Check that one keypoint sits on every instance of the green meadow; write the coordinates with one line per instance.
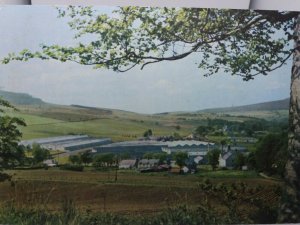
(54, 120)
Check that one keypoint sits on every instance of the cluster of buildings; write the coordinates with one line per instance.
(196, 150)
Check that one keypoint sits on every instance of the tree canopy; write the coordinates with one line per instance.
(213, 158)
(180, 158)
(11, 154)
(271, 154)
(39, 154)
(240, 42)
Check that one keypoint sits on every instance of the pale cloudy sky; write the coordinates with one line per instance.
(171, 86)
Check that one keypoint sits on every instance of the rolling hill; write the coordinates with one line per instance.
(26, 99)
(46, 120)
(265, 106)
(20, 98)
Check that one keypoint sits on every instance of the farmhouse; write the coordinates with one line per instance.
(50, 163)
(148, 164)
(227, 159)
(127, 164)
(68, 143)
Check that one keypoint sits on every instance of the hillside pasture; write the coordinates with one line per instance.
(46, 121)
(53, 120)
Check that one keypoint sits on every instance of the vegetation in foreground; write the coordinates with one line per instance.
(214, 203)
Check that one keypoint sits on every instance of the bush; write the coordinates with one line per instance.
(72, 167)
(172, 216)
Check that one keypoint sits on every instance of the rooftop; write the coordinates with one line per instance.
(136, 143)
(52, 139)
(158, 143)
(187, 143)
(227, 155)
(83, 142)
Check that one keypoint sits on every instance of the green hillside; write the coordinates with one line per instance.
(265, 106)
(46, 120)
(62, 120)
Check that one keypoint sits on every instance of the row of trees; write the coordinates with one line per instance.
(84, 157)
(246, 128)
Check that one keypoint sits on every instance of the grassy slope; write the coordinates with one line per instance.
(53, 120)
(119, 125)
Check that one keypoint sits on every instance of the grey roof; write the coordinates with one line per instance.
(150, 161)
(136, 143)
(227, 155)
(187, 143)
(53, 139)
(159, 143)
(62, 142)
(129, 162)
(83, 142)
(238, 148)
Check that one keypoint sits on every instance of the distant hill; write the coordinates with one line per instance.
(26, 99)
(265, 106)
(20, 98)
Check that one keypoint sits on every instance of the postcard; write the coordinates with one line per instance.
(160, 114)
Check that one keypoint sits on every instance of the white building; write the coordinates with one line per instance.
(193, 148)
(127, 164)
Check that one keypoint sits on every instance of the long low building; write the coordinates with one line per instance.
(193, 148)
(68, 143)
(52, 140)
(134, 148)
(138, 148)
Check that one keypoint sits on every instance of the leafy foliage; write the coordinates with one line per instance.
(271, 154)
(180, 158)
(233, 195)
(86, 157)
(203, 130)
(240, 42)
(39, 154)
(162, 156)
(104, 160)
(148, 133)
(239, 160)
(175, 215)
(75, 159)
(213, 158)
(11, 154)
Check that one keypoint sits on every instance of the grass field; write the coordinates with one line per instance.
(54, 120)
(119, 125)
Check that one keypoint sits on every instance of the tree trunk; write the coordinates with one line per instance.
(290, 207)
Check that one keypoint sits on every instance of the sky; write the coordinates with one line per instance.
(160, 87)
